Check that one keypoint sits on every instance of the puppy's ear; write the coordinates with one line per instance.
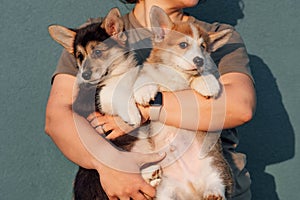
(161, 24)
(218, 39)
(114, 25)
(63, 36)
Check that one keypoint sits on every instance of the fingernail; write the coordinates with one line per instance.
(161, 154)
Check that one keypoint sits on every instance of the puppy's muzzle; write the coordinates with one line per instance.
(198, 63)
(86, 75)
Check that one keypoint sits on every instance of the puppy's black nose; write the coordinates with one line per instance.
(198, 61)
(87, 75)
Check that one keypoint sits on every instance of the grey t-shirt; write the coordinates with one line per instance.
(232, 57)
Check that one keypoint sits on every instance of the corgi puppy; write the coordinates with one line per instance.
(106, 70)
(180, 59)
(106, 74)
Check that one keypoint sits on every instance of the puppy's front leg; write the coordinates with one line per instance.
(119, 101)
(206, 85)
(144, 89)
(133, 113)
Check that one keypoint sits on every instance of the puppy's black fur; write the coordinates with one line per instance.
(87, 182)
(87, 185)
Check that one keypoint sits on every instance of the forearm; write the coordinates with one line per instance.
(188, 109)
(63, 127)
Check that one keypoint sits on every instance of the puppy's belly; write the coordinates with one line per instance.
(182, 147)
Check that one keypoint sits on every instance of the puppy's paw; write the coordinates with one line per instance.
(128, 112)
(145, 94)
(215, 191)
(134, 116)
(206, 85)
(214, 197)
(152, 175)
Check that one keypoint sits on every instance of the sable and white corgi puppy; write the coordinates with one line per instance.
(180, 59)
(107, 72)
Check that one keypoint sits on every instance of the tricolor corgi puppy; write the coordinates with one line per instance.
(180, 59)
(107, 72)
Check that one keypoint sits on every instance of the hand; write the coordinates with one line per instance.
(121, 185)
(107, 123)
(126, 182)
(114, 124)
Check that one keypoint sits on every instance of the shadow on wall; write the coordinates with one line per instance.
(269, 137)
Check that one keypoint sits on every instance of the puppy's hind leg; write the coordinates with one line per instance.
(215, 189)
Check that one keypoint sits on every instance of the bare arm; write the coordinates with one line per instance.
(61, 127)
(235, 106)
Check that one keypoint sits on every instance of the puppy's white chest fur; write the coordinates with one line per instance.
(116, 97)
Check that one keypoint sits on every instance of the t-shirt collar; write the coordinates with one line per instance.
(136, 24)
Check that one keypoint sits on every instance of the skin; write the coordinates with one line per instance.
(234, 107)
(65, 136)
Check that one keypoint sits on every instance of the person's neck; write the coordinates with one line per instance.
(142, 9)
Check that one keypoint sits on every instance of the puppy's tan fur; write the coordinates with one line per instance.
(180, 59)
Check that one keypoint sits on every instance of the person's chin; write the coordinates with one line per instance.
(190, 3)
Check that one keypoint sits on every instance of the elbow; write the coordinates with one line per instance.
(246, 112)
(52, 117)
(246, 115)
(47, 127)
(48, 122)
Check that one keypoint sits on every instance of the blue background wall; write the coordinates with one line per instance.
(32, 167)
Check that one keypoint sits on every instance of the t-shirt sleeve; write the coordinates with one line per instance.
(66, 65)
(233, 56)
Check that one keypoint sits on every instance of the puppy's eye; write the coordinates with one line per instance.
(97, 52)
(183, 45)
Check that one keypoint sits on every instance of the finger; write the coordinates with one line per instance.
(124, 198)
(100, 129)
(147, 191)
(107, 127)
(139, 196)
(96, 122)
(93, 116)
(151, 158)
(114, 134)
(116, 122)
(112, 198)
